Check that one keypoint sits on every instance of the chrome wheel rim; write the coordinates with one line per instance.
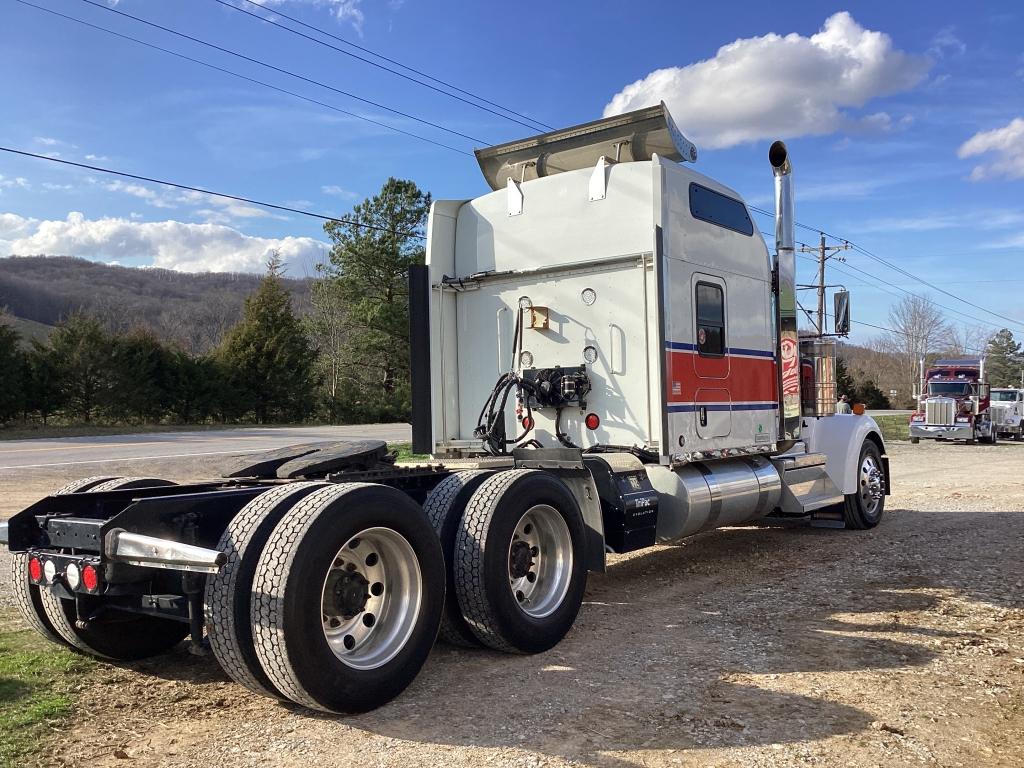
(540, 561)
(872, 486)
(371, 598)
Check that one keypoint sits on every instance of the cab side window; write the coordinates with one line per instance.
(710, 302)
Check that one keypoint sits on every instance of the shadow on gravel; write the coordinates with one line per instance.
(684, 647)
(715, 643)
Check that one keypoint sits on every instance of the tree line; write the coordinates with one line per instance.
(344, 361)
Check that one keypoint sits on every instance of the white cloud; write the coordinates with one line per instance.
(215, 208)
(946, 42)
(96, 158)
(150, 196)
(349, 10)
(1006, 143)
(49, 185)
(334, 189)
(771, 86)
(46, 141)
(345, 11)
(6, 182)
(988, 219)
(169, 244)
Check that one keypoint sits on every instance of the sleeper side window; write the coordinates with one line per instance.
(710, 302)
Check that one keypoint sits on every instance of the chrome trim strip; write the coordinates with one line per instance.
(136, 549)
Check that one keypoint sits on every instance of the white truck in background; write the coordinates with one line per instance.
(1007, 411)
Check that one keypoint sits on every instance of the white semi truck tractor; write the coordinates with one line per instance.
(605, 357)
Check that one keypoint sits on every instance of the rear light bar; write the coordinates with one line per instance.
(75, 573)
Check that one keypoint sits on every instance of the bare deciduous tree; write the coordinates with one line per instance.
(919, 331)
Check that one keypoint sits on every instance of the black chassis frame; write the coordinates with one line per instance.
(73, 527)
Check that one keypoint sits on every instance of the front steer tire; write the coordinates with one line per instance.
(861, 510)
(495, 557)
(314, 563)
(228, 592)
(112, 634)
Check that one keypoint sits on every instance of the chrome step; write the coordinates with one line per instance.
(806, 486)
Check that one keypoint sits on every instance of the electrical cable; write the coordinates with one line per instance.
(381, 56)
(865, 252)
(244, 77)
(280, 70)
(274, 23)
(239, 198)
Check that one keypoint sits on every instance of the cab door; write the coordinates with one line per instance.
(713, 402)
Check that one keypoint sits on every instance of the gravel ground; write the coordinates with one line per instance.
(747, 646)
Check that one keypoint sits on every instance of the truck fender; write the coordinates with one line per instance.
(840, 438)
(582, 486)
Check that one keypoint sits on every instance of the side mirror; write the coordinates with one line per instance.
(842, 312)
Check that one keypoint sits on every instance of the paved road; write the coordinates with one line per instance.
(69, 451)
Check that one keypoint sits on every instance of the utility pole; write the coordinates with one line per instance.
(825, 252)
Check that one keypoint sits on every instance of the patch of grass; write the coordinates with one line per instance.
(405, 452)
(35, 690)
(894, 427)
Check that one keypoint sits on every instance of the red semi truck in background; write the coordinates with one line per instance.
(954, 403)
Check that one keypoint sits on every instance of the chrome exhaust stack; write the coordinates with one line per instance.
(788, 344)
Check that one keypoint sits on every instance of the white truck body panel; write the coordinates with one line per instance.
(642, 252)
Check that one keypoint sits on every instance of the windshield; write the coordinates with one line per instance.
(1004, 397)
(948, 388)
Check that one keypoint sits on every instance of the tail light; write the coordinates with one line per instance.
(35, 570)
(593, 421)
(90, 578)
(49, 570)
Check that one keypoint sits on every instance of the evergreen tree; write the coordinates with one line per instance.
(83, 352)
(371, 267)
(140, 371)
(872, 397)
(44, 394)
(11, 373)
(844, 381)
(1003, 360)
(268, 360)
(194, 387)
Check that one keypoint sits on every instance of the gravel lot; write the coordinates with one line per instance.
(746, 646)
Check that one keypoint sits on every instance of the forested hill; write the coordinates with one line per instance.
(189, 309)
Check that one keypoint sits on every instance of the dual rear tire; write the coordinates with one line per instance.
(515, 546)
(331, 597)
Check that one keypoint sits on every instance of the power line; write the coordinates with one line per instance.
(372, 63)
(240, 76)
(239, 198)
(863, 251)
(406, 67)
(258, 62)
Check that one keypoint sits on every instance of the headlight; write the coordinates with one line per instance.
(917, 418)
(963, 420)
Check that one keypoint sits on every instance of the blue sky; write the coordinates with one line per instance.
(906, 127)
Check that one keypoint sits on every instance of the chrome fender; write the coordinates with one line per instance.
(840, 438)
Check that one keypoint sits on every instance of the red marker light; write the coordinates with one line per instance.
(90, 578)
(35, 569)
(527, 423)
(593, 421)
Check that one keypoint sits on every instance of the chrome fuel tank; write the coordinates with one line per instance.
(699, 497)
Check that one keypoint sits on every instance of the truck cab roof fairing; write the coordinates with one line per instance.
(629, 137)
